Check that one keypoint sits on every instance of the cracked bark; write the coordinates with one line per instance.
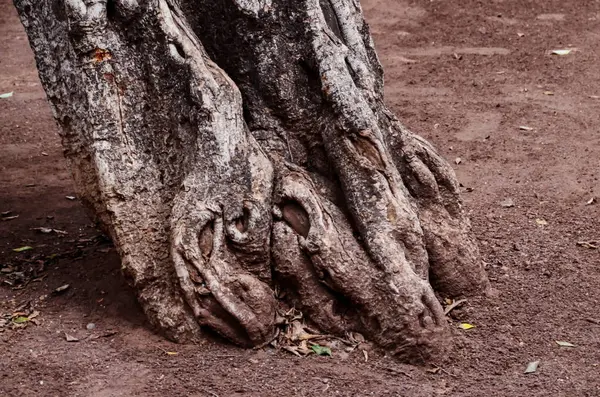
(233, 147)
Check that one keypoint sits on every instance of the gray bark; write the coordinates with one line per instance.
(239, 147)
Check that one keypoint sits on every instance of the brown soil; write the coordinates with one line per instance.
(464, 73)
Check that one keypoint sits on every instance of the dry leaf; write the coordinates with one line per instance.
(566, 51)
(21, 249)
(292, 349)
(6, 95)
(62, 288)
(541, 222)
(548, 93)
(588, 244)
(172, 353)
(591, 201)
(532, 367)
(508, 203)
(70, 338)
(458, 160)
(564, 344)
(47, 230)
(525, 128)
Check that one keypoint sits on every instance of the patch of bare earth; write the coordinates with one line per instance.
(466, 74)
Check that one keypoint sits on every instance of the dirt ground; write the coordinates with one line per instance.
(467, 75)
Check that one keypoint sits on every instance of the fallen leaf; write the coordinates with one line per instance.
(365, 354)
(20, 320)
(548, 93)
(591, 201)
(62, 288)
(595, 96)
(320, 350)
(465, 326)
(105, 335)
(525, 128)
(532, 367)
(172, 353)
(70, 197)
(588, 244)
(9, 218)
(508, 203)
(356, 337)
(47, 230)
(433, 370)
(292, 349)
(44, 230)
(562, 52)
(6, 95)
(70, 338)
(541, 222)
(21, 249)
(458, 160)
(44, 154)
(564, 344)
(520, 34)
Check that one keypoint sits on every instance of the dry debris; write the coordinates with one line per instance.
(299, 339)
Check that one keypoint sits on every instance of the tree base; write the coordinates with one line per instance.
(294, 187)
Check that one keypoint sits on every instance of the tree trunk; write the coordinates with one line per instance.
(241, 158)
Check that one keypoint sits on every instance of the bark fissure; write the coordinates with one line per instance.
(271, 162)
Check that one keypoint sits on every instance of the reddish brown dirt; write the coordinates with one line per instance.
(464, 73)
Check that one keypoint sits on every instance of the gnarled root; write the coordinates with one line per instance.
(336, 282)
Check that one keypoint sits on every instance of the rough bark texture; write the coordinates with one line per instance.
(236, 148)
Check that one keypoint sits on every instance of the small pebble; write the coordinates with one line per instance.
(91, 326)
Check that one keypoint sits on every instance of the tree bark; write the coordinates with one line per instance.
(236, 148)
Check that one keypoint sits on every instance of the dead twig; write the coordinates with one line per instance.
(454, 306)
(444, 371)
(394, 371)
